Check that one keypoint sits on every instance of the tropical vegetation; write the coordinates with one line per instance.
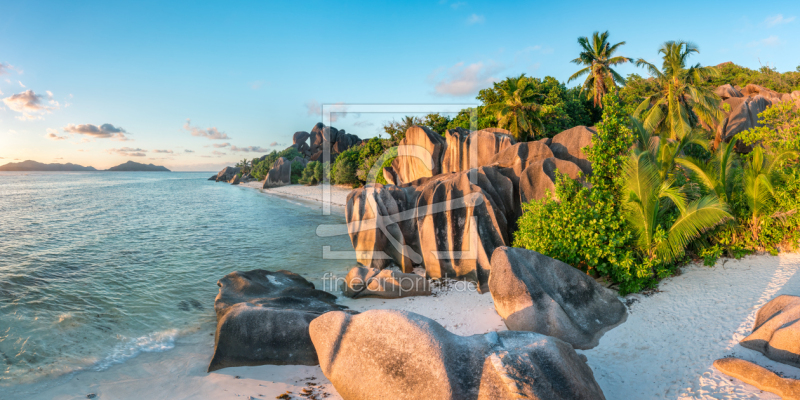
(597, 58)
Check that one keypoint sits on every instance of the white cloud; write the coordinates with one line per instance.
(188, 151)
(475, 19)
(250, 149)
(220, 145)
(273, 144)
(336, 110)
(105, 131)
(29, 104)
(4, 68)
(771, 41)
(461, 80)
(20, 83)
(777, 20)
(218, 153)
(211, 133)
(52, 134)
(363, 124)
(129, 152)
(163, 151)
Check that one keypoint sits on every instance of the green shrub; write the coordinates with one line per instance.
(585, 227)
(297, 171)
(261, 168)
(343, 171)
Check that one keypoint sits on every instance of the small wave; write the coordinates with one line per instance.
(152, 343)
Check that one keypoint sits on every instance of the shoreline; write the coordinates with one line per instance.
(308, 196)
(665, 349)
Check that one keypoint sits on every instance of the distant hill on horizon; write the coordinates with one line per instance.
(134, 166)
(30, 165)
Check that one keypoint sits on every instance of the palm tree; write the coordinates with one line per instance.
(760, 175)
(716, 174)
(682, 101)
(650, 199)
(516, 111)
(598, 57)
(397, 129)
(664, 150)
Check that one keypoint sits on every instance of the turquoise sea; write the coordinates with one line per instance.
(98, 267)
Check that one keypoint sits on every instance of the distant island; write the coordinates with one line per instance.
(134, 166)
(30, 165)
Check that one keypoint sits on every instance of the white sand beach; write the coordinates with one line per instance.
(302, 193)
(664, 350)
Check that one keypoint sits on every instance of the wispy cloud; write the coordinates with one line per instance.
(29, 105)
(218, 153)
(249, 149)
(129, 152)
(163, 151)
(105, 131)
(4, 69)
(457, 5)
(211, 133)
(771, 41)
(777, 20)
(188, 151)
(52, 134)
(221, 145)
(475, 19)
(336, 110)
(21, 84)
(464, 80)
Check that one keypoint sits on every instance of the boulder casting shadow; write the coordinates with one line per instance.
(536, 293)
(263, 318)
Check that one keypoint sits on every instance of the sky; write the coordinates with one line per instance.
(196, 86)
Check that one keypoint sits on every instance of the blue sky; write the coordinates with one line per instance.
(250, 74)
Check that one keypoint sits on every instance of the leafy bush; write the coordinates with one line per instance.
(297, 171)
(261, 167)
(780, 129)
(585, 227)
(765, 76)
(312, 174)
(344, 169)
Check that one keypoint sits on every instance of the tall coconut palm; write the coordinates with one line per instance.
(665, 151)
(598, 58)
(516, 110)
(649, 198)
(760, 175)
(682, 102)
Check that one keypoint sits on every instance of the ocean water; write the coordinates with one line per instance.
(96, 268)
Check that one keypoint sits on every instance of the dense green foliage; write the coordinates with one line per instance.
(585, 227)
(780, 129)
(682, 101)
(597, 58)
(260, 168)
(730, 73)
(313, 173)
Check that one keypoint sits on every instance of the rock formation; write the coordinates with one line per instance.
(399, 355)
(449, 223)
(777, 331)
(540, 177)
(227, 174)
(569, 145)
(280, 174)
(263, 317)
(466, 150)
(419, 154)
(536, 293)
(387, 284)
(235, 180)
(310, 145)
(759, 377)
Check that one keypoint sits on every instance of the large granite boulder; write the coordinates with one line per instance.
(387, 284)
(419, 154)
(387, 354)
(213, 177)
(345, 141)
(515, 159)
(727, 91)
(389, 175)
(752, 90)
(466, 150)
(300, 137)
(227, 174)
(743, 115)
(536, 293)
(280, 174)
(759, 377)
(461, 218)
(539, 178)
(450, 223)
(777, 330)
(263, 318)
(382, 228)
(569, 145)
(235, 180)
